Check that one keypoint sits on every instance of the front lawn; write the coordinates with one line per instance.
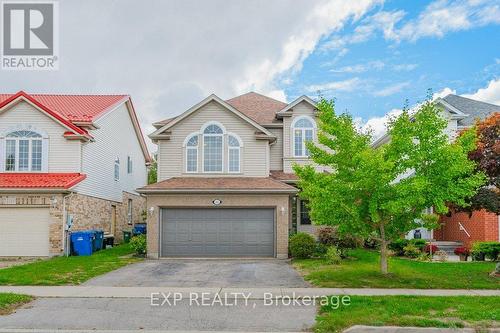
(362, 270)
(67, 270)
(9, 302)
(419, 311)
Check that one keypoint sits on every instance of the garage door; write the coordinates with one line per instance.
(24, 232)
(217, 232)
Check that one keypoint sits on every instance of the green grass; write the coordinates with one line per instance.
(67, 270)
(9, 302)
(361, 270)
(418, 311)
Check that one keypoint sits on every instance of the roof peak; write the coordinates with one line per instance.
(257, 94)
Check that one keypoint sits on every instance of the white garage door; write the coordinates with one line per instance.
(24, 232)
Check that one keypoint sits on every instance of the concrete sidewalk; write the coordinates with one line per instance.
(254, 293)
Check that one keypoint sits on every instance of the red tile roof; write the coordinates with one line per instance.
(260, 108)
(40, 180)
(219, 184)
(76, 108)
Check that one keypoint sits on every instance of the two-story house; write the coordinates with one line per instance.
(461, 113)
(225, 179)
(67, 162)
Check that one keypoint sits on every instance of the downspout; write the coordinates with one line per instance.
(64, 230)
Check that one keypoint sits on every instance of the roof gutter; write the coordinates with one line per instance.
(234, 191)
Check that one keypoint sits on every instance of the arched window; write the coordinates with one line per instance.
(23, 151)
(303, 131)
(213, 148)
(192, 153)
(233, 152)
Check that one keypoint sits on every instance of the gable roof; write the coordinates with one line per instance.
(207, 100)
(73, 111)
(472, 109)
(302, 98)
(258, 107)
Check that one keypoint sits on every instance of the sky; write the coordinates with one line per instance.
(370, 55)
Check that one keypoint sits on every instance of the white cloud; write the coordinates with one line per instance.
(391, 90)
(378, 125)
(404, 67)
(443, 93)
(490, 94)
(344, 85)
(359, 68)
(437, 19)
(170, 54)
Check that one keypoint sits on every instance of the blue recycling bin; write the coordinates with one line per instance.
(82, 242)
(139, 229)
(98, 242)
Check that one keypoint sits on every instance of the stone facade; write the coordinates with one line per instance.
(277, 201)
(88, 213)
(481, 226)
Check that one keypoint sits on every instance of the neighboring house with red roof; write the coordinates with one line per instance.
(63, 158)
(461, 113)
(226, 186)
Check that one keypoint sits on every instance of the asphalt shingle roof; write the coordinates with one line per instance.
(474, 109)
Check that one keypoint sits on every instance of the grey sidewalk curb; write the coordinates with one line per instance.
(255, 293)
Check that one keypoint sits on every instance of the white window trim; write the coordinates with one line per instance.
(229, 148)
(185, 146)
(303, 131)
(223, 135)
(3, 149)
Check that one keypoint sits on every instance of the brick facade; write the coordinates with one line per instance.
(88, 213)
(482, 226)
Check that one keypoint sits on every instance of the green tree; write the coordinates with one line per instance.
(384, 190)
(152, 172)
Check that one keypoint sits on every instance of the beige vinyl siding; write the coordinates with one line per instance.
(276, 150)
(115, 137)
(171, 153)
(301, 109)
(63, 155)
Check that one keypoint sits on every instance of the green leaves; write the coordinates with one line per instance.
(391, 185)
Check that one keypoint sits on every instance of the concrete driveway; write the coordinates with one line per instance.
(203, 273)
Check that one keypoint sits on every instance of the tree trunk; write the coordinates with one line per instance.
(383, 251)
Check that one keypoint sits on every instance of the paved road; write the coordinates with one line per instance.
(135, 314)
(203, 273)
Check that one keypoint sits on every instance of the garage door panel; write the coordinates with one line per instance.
(24, 232)
(217, 232)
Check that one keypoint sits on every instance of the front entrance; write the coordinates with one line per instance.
(217, 232)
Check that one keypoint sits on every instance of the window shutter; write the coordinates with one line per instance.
(2, 154)
(45, 155)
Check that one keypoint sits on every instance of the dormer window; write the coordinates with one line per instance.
(23, 151)
(303, 131)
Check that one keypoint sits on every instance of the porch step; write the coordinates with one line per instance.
(448, 247)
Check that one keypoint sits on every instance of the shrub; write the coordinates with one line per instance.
(490, 250)
(431, 248)
(328, 236)
(398, 246)
(462, 251)
(333, 255)
(424, 257)
(371, 242)
(302, 245)
(419, 243)
(320, 250)
(411, 251)
(139, 244)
